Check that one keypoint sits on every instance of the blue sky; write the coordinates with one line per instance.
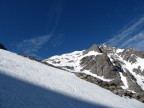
(44, 28)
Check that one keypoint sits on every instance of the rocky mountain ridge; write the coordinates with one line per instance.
(122, 68)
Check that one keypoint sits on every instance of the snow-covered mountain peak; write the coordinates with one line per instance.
(71, 61)
(123, 67)
(107, 48)
(93, 48)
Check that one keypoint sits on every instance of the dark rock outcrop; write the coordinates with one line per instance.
(2, 46)
(139, 71)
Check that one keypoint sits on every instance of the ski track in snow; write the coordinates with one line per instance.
(28, 84)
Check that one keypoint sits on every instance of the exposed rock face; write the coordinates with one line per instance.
(139, 71)
(2, 46)
(132, 84)
(100, 65)
(118, 70)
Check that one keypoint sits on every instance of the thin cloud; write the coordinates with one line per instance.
(130, 36)
(31, 46)
(136, 41)
(55, 13)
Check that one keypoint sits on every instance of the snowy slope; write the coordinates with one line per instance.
(70, 59)
(28, 84)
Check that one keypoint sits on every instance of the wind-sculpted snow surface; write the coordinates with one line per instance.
(28, 84)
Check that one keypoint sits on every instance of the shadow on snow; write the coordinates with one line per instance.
(15, 93)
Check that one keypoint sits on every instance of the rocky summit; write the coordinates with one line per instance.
(118, 70)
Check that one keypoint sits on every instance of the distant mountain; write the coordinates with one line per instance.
(118, 70)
